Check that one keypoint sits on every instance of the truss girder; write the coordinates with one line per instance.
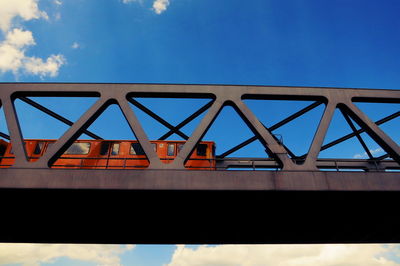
(220, 96)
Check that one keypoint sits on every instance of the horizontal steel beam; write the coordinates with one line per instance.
(199, 180)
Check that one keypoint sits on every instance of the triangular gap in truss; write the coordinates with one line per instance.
(4, 142)
(379, 111)
(228, 131)
(347, 149)
(119, 148)
(46, 119)
(35, 123)
(112, 125)
(172, 111)
(298, 133)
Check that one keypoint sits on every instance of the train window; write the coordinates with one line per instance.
(115, 149)
(78, 148)
(154, 146)
(171, 149)
(202, 149)
(104, 148)
(2, 150)
(39, 148)
(136, 149)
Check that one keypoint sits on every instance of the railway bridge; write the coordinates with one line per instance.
(281, 197)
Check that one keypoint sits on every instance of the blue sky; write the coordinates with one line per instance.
(335, 43)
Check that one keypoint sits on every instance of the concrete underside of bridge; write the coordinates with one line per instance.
(150, 206)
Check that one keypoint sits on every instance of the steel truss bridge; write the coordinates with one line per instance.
(285, 203)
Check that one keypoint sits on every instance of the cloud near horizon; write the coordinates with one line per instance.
(35, 254)
(284, 255)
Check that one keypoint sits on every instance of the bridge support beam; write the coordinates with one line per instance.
(199, 180)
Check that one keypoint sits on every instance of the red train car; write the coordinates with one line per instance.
(112, 154)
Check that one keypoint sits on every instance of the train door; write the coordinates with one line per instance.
(170, 152)
(202, 157)
(110, 156)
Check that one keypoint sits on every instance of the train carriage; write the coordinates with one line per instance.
(112, 154)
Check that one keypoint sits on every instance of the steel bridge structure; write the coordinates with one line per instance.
(225, 206)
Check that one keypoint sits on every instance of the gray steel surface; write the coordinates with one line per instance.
(220, 96)
(293, 202)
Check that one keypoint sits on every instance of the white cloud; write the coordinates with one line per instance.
(160, 6)
(13, 58)
(282, 255)
(365, 155)
(58, 2)
(75, 45)
(25, 9)
(34, 254)
(37, 66)
(17, 40)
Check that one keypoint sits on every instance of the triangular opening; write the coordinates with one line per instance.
(5, 161)
(112, 125)
(156, 114)
(35, 115)
(43, 120)
(229, 131)
(118, 148)
(378, 112)
(302, 119)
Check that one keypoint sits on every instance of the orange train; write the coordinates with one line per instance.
(112, 154)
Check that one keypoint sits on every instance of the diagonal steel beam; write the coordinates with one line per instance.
(16, 138)
(141, 136)
(276, 150)
(272, 128)
(186, 121)
(197, 135)
(373, 131)
(359, 131)
(156, 117)
(348, 120)
(62, 144)
(380, 158)
(4, 135)
(55, 115)
(312, 156)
